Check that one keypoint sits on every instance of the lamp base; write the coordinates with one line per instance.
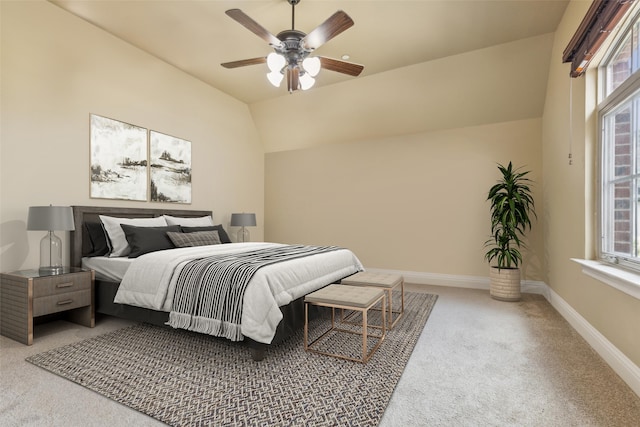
(50, 254)
(51, 270)
(243, 235)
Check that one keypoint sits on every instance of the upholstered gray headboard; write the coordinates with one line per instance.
(80, 243)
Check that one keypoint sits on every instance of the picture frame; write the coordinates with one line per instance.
(170, 168)
(119, 159)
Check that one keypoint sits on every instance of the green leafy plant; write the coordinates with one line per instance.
(511, 209)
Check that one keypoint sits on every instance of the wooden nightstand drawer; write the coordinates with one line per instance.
(61, 302)
(54, 285)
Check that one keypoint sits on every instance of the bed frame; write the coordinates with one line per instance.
(105, 291)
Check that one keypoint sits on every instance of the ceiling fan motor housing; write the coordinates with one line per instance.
(291, 47)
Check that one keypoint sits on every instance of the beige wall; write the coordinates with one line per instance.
(413, 203)
(498, 84)
(569, 199)
(396, 166)
(56, 70)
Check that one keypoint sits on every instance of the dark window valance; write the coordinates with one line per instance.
(600, 20)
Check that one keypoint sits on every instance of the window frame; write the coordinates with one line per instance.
(627, 91)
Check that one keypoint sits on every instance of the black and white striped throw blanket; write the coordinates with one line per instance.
(210, 291)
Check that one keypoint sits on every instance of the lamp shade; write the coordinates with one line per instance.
(50, 218)
(275, 62)
(306, 81)
(243, 220)
(275, 78)
(312, 65)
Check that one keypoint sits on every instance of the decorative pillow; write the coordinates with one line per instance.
(224, 237)
(202, 221)
(98, 239)
(143, 240)
(197, 238)
(119, 244)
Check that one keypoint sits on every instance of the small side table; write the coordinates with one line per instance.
(385, 281)
(353, 298)
(27, 294)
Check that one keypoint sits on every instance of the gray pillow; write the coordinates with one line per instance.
(224, 238)
(197, 238)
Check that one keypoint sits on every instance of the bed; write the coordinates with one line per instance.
(128, 279)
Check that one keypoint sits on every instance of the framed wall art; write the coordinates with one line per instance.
(170, 162)
(118, 160)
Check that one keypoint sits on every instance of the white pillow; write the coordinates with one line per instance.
(119, 244)
(202, 221)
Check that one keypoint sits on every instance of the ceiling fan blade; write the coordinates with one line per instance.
(334, 25)
(244, 62)
(293, 79)
(341, 66)
(257, 29)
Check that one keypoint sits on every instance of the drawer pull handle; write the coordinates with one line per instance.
(65, 302)
(64, 285)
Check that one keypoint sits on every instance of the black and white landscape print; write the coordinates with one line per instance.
(170, 168)
(118, 160)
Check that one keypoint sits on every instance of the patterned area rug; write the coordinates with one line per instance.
(187, 379)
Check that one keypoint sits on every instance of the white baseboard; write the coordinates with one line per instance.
(620, 363)
(457, 281)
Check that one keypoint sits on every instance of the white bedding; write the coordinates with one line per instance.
(106, 268)
(150, 282)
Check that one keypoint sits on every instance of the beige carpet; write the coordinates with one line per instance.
(478, 362)
(482, 362)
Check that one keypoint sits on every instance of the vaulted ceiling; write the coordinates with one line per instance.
(197, 36)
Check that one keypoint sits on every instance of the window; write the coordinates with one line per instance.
(620, 150)
(619, 67)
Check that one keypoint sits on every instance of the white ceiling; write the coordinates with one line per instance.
(196, 36)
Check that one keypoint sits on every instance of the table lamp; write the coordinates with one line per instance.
(243, 220)
(50, 218)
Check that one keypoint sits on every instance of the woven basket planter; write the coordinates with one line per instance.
(504, 284)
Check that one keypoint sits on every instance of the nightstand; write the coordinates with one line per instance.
(27, 294)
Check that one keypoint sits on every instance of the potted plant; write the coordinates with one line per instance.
(511, 209)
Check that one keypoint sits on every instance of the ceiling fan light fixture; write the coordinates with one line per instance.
(292, 47)
(306, 81)
(311, 65)
(275, 78)
(275, 62)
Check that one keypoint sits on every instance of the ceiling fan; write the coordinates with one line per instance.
(292, 49)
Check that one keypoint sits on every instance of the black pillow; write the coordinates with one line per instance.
(224, 237)
(98, 239)
(143, 240)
